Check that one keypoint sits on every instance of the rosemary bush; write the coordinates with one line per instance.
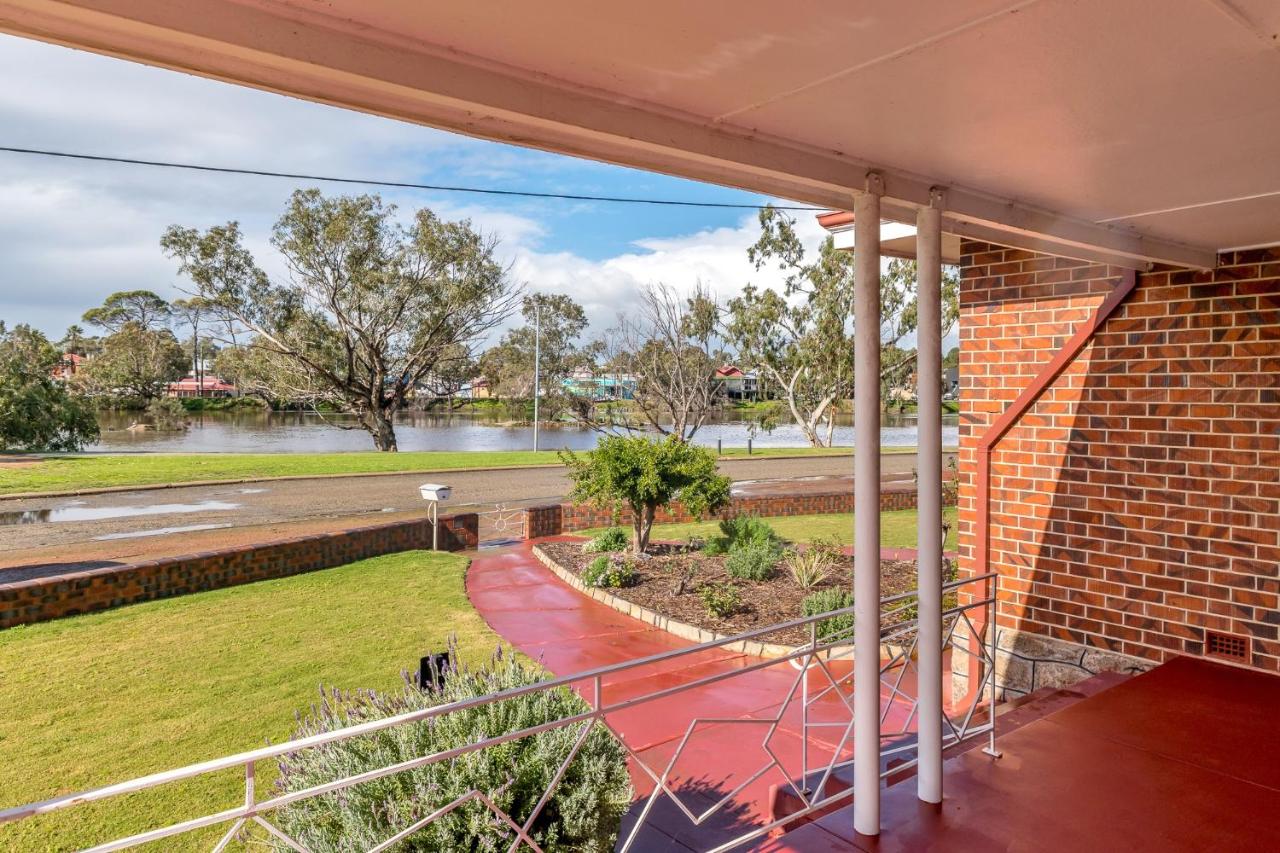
(607, 541)
(611, 572)
(720, 599)
(825, 601)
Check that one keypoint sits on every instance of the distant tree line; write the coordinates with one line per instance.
(377, 312)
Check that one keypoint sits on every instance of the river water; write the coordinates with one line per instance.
(297, 432)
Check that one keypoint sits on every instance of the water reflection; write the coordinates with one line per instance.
(88, 513)
(297, 432)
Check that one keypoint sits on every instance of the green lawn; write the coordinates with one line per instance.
(98, 471)
(105, 697)
(897, 528)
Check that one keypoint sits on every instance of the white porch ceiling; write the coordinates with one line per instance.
(1128, 130)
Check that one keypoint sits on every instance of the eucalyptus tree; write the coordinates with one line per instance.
(371, 305)
(509, 366)
(133, 365)
(801, 339)
(669, 346)
(192, 312)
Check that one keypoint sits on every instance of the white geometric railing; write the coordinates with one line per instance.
(972, 619)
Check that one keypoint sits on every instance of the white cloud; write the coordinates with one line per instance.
(72, 232)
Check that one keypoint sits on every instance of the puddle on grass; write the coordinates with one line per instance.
(159, 531)
(95, 513)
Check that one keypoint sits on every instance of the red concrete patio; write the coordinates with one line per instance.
(1180, 758)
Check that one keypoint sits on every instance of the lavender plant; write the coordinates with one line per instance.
(582, 815)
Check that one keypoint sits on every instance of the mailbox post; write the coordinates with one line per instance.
(434, 493)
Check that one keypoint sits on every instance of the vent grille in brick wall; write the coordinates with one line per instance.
(1228, 646)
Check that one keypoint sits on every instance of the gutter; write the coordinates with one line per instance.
(992, 437)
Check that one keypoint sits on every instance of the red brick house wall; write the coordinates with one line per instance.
(1136, 505)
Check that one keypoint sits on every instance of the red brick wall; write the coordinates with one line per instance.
(1137, 504)
(566, 518)
(42, 599)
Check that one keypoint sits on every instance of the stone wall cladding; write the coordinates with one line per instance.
(1137, 503)
(893, 496)
(1027, 661)
(42, 599)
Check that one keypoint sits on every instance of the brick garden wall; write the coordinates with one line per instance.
(1137, 504)
(42, 599)
(566, 518)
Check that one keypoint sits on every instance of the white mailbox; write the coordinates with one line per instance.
(435, 492)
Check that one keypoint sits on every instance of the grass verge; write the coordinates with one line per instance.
(106, 697)
(897, 528)
(71, 473)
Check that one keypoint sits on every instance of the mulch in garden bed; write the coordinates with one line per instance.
(670, 577)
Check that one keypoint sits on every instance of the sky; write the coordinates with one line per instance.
(73, 232)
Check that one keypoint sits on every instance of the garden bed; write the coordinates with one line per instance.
(668, 581)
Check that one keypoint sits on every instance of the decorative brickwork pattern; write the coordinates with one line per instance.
(1137, 503)
(42, 599)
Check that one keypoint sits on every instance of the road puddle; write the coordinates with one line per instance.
(97, 513)
(159, 531)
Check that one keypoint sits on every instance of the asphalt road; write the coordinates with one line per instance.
(126, 526)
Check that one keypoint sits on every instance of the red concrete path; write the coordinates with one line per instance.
(568, 632)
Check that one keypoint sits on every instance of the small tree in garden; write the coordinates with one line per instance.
(644, 474)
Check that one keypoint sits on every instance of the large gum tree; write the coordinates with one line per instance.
(801, 339)
(371, 307)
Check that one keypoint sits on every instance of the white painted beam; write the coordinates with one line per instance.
(334, 61)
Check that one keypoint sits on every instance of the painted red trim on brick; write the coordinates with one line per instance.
(1060, 361)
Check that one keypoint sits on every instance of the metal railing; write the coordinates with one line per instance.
(501, 524)
(816, 657)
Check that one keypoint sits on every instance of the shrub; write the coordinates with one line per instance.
(643, 475)
(753, 560)
(36, 411)
(609, 572)
(741, 530)
(810, 567)
(608, 541)
(167, 414)
(825, 601)
(583, 814)
(720, 599)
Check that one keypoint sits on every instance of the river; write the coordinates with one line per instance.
(297, 432)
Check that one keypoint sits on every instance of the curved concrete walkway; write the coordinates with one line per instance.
(568, 632)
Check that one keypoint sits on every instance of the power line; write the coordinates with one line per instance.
(265, 173)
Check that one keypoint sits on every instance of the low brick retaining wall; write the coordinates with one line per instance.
(554, 519)
(42, 599)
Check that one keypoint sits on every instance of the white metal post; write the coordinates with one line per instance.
(537, 367)
(866, 504)
(929, 495)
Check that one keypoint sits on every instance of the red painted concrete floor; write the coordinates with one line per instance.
(1183, 758)
(547, 620)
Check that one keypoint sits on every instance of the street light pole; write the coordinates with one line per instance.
(537, 367)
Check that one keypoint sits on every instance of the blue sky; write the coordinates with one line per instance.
(72, 232)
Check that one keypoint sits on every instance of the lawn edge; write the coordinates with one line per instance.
(138, 487)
